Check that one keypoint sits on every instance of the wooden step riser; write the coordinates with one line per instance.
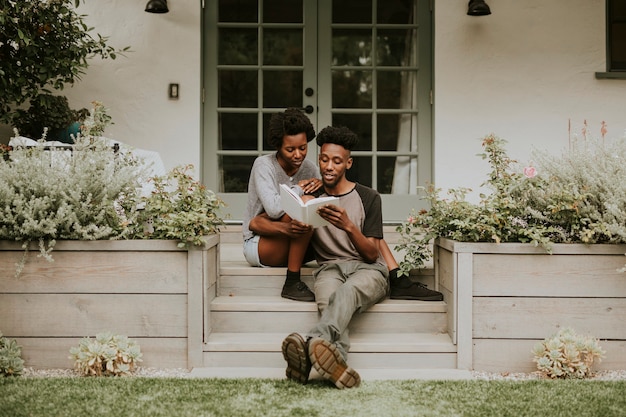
(271, 285)
(427, 360)
(287, 322)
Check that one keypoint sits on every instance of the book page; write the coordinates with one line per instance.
(304, 212)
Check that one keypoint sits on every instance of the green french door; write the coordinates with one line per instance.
(364, 64)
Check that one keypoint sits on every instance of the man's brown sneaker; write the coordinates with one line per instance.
(329, 363)
(297, 357)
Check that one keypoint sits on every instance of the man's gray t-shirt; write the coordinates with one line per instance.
(364, 207)
(264, 188)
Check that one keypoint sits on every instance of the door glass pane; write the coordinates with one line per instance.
(395, 47)
(237, 88)
(387, 129)
(398, 89)
(235, 172)
(352, 47)
(282, 89)
(238, 131)
(394, 11)
(386, 167)
(282, 11)
(361, 124)
(237, 46)
(361, 170)
(238, 11)
(282, 47)
(352, 11)
(394, 175)
(352, 89)
(266, 123)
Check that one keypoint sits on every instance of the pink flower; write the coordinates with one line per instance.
(530, 172)
(411, 220)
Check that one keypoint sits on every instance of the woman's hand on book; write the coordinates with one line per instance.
(310, 186)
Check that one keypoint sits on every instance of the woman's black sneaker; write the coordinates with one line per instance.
(298, 291)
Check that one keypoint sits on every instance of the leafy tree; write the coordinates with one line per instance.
(44, 45)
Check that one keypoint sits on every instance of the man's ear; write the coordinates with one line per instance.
(349, 163)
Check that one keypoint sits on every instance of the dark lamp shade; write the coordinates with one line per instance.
(478, 8)
(157, 6)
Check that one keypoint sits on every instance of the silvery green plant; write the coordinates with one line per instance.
(106, 355)
(567, 355)
(11, 362)
(577, 197)
(47, 194)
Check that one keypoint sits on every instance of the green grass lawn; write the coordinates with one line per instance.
(151, 397)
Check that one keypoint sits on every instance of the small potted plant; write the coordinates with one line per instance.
(51, 112)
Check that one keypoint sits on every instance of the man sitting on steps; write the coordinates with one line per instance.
(352, 276)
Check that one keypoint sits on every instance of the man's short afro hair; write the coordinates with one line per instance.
(340, 135)
(290, 122)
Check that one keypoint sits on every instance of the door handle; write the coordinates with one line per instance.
(308, 109)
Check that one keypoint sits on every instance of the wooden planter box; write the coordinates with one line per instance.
(504, 298)
(149, 290)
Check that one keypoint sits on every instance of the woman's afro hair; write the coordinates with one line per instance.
(290, 122)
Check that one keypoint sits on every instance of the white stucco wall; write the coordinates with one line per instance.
(524, 73)
(165, 49)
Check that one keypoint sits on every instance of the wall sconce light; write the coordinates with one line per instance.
(478, 8)
(157, 6)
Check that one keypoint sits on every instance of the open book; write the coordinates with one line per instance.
(301, 211)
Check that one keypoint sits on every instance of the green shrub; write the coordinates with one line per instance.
(88, 193)
(45, 45)
(180, 208)
(578, 197)
(11, 362)
(93, 192)
(106, 355)
(567, 355)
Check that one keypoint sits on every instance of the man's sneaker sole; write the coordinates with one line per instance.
(295, 353)
(329, 363)
(415, 291)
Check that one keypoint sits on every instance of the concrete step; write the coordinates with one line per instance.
(367, 350)
(241, 314)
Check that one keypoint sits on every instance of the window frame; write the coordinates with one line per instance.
(613, 69)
